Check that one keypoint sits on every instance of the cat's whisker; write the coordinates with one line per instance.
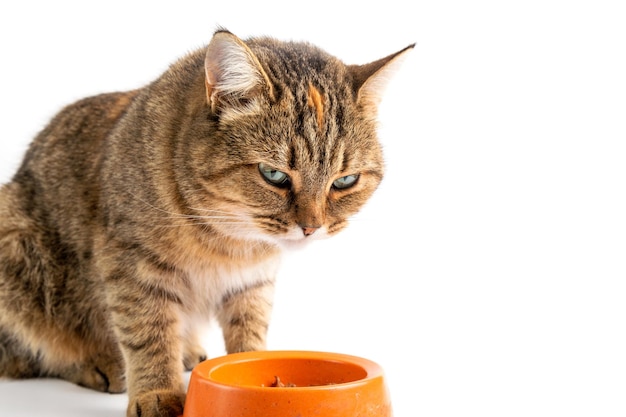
(221, 214)
(205, 223)
(210, 210)
(172, 215)
(192, 216)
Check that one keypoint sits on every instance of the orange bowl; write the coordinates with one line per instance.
(287, 384)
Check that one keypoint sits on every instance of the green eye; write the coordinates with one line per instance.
(345, 182)
(274, 176)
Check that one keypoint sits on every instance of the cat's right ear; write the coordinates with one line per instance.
(234, 76)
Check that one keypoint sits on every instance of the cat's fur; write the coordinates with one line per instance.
(137, 214)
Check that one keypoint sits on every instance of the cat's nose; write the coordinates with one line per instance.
(309, 230)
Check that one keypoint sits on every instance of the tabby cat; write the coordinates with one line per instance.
(137, 215)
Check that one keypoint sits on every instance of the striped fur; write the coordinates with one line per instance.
(135, 216)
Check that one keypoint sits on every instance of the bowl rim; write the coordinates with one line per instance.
(205, 369)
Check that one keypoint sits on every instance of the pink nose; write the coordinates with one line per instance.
(308, 231)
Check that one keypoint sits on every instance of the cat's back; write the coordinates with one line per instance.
(76, 130)
(59, 173)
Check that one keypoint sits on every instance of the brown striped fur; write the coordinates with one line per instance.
(136, 215)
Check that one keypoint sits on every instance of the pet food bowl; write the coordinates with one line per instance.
(287, 384)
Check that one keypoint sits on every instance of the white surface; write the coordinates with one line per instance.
(486, 276)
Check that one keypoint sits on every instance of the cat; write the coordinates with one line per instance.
(137, 215)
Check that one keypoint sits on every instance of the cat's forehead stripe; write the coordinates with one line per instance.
(316, 101)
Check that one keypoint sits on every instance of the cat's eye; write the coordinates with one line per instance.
(345, 182)
(274, 176)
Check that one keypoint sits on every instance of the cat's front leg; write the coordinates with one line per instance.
(244, 317)
(145, 314)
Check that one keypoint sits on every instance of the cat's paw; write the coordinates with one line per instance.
(157, 404)
(193, 356)
(105, 380)
(103, 376)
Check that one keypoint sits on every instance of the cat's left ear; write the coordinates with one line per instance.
(234, 76)
(370, 80)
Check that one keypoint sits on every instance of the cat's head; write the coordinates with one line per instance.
(293, 150)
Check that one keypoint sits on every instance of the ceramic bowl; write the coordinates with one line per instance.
(287, 384)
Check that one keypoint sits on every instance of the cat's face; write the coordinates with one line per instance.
(293, 154)
(289, 182)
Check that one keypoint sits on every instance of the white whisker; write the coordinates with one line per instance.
(206, 224)
(210, 210)
(194, 216)
(234, 224)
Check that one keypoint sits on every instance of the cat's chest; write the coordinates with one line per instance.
(210, 283)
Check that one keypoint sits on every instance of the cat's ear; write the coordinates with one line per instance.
(370, 80)
(234, 76)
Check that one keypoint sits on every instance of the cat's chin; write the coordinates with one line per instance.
(293, 240)
(291, 244)
(297, 240)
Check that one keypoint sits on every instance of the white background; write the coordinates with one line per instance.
(487, 274)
